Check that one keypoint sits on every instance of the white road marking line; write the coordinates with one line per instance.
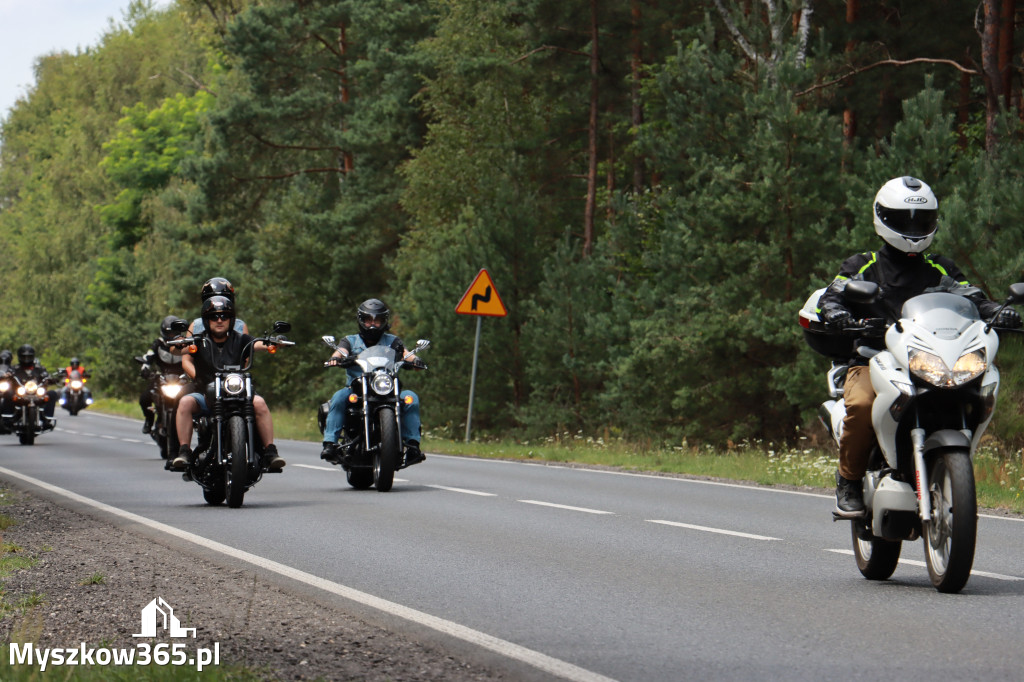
(105, 436)
(131, 440)
(721, 531)
(310, 466)
(462, 490)
(1001, 518)
(914, 562)
(565, 506)
(538, 660)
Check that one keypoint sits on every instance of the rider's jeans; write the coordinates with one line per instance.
(858, 435)
(336, 416)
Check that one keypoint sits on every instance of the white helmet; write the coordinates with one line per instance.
(906, 212)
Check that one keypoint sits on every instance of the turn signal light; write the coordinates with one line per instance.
(353, 398)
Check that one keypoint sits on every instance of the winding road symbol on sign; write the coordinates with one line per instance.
(481, 298)
(477, 298)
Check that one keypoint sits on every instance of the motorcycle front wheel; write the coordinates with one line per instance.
(28, 433)
(876, 557)
(237, 473)
(385, 460)
(950, 535)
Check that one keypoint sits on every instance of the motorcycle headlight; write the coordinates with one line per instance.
(30, 387)
(234, 384)
(40, 391)
(382, 383)
(21, 390)
(171, 390)
(76, 385)
(930, 368)
(5, 386)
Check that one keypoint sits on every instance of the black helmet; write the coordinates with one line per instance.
(369, 310)
(74, 363)
(166, 332)
(6, 356)
(217, 286)
(26, 356)
(218, 305)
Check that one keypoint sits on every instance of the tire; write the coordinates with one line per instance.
(360, 479)
(877, 557)
(385, 460)
(214, 496)
(236, 474)
(950, 536)
(28, 436)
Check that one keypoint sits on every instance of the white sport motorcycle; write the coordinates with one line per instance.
(936, 388)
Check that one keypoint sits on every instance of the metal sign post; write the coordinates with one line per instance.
(472, 380)
(481, 299)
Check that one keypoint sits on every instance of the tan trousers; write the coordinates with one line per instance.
(858, 437)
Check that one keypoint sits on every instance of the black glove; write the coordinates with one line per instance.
(1007, 319)
(838, 318)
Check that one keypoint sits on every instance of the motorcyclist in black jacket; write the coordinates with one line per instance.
(156, 361)
(905, 217)
(6, 404)
(29, 369)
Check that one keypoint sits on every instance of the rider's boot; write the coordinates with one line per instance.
(849, 498)
(181, 462)
(329, 452)
(413, 454)
(147, 428)
(271, 460)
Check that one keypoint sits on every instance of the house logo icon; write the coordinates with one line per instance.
(158, 613)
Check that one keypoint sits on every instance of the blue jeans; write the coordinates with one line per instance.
(336, 417)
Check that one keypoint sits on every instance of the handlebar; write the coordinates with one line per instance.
(867, 326)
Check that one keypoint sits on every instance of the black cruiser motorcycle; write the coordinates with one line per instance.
(228, 455)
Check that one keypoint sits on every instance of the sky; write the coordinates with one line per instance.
(32, 28)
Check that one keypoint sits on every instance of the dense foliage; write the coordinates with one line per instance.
(655, 188)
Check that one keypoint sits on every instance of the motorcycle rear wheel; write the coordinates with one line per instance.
(237, 473)
(950, 536)
(385, 460)
(877, 557)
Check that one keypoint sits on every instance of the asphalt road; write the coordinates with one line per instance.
(628, 577)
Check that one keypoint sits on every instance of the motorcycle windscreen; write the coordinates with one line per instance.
(947, 315)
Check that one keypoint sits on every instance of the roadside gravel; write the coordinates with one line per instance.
(93, 579)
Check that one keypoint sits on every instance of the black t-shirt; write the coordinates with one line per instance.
(234, 350)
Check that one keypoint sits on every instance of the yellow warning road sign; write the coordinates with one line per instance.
(481, 298)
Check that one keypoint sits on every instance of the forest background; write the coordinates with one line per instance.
(655, 188)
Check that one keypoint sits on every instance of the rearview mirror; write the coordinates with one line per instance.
(179, 326)
(329, 340)
(1017, 292)
(281, 327)
(860, 291)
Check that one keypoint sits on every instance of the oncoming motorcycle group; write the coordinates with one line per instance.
(912, 388)
(200, 384)
(27, 399)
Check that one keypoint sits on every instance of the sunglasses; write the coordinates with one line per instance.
(219, 316)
